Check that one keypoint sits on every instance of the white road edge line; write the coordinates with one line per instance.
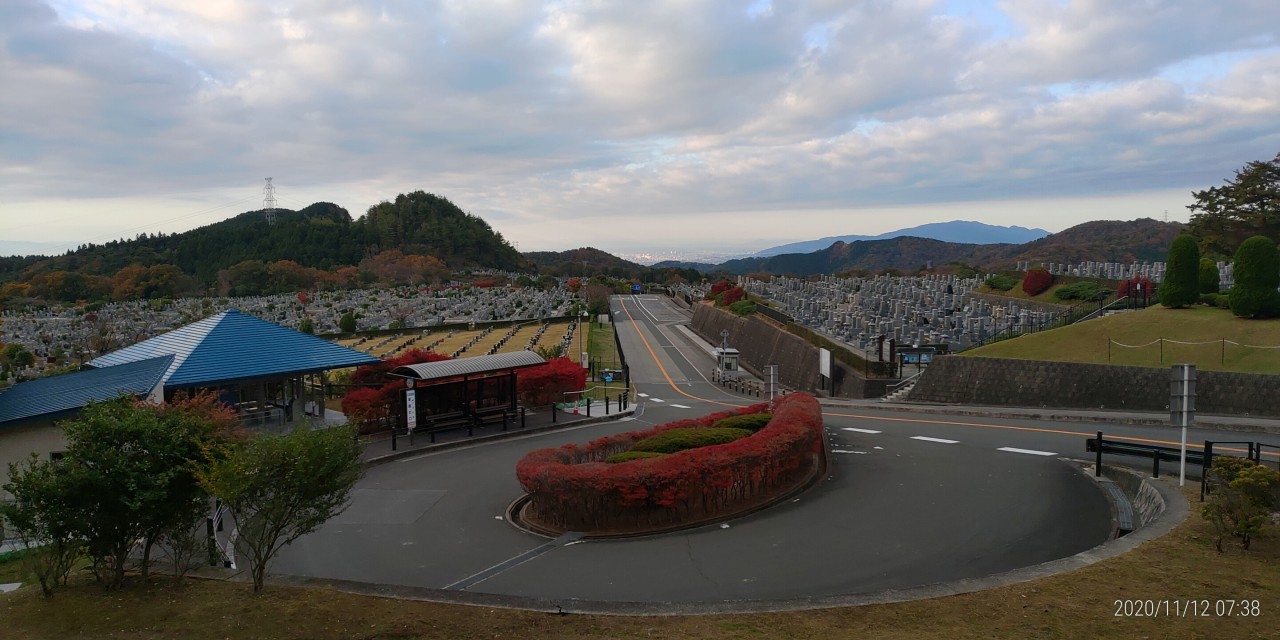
(859, 430)
(928, 439)
(1027, 451)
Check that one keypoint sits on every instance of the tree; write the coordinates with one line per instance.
(133, 466)
(1036, 282)
(307, 325)
(1246, 206)
(1243, 495)
(1181, 286)
(1210, 281)
(43, 515)
(347, 323)
(279, 488)
(1257, 274)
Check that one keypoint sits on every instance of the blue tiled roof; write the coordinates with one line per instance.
(49, 397)
(232, 346)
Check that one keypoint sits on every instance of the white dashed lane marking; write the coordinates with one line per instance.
(859, 430)
(643, 395)
(679, 406)
(928, 439)
(657, 400)
(1032, 452)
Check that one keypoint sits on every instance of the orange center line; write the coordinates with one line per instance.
(652, 354)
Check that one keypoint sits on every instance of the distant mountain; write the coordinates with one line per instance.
(583, 261)
(957, 231)
(1103, 241)
(680, 264)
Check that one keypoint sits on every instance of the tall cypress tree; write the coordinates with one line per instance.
(1257, 274)
(1181, 286)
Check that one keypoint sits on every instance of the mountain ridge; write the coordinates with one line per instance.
(954, 231)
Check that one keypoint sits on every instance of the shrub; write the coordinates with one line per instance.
(731, 297)
(743, 308)
(1210, 281)
(547, 383)
(628, 456)
(1036, 282)
(1257, 274)
(1181, 286)
(718, 288)
(1000, 282)
(751, 422)
(1219, 300)
(1243, 496)
(1085, 290)
(682, 439)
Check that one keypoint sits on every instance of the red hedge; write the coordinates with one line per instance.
(1129, 287)
(1037, 281)
(572, 489)
(733, 295)
(546, 383)
(719, 287)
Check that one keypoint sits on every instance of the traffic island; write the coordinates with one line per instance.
(573, 489)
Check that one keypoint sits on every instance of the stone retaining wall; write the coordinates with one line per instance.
(1073, 385)
(760, 344)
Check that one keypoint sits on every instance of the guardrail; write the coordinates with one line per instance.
(1203, 457)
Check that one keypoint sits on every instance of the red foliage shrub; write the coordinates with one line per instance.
(1130, 288)
(572, 488)
(718, 288)
(377, 373)
(1036, 282)
(367, 407)
(732, 295)
(546, 383)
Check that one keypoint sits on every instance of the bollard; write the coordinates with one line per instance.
(553, 412)
(587, 401)
(606, 404)
(393, 438)
(1155, 464)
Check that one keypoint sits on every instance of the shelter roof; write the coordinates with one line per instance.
(57, 396)
(233, 346)
(469, 366)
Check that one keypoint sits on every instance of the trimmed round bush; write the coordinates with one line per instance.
(1181, 286)
(1000, 282)
(628, 456)
(1257, 274)
(751, 422)
(681, 439)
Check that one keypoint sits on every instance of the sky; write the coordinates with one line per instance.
(661, 127)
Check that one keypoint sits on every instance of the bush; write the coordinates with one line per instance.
(547, 383)
(1219, 300)
(1210, 281)
(1181, 286)
(1085, 290)
(1243, 496)
(1257, 274)
(1036, 282)
(682, 439)
(628, 456)
(1000, 282)
(751, 422)
(743, 308)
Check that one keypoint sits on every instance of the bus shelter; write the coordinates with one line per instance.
(450, 393)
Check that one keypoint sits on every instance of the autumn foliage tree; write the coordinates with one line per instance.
(1036, 282)
(369, 402)
(547, 383)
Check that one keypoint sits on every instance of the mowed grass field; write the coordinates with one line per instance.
(1154, 337)
(440, 341)
(1181, 566)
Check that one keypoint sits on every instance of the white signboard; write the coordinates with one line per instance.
(411, 408)
(824, 362)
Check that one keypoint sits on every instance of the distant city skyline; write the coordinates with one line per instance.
(714, 127)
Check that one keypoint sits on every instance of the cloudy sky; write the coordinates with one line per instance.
(708, 125)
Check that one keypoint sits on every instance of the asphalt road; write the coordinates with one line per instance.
(910, 499)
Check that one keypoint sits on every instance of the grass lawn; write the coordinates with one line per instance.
(1088, 341)
(1081, 604)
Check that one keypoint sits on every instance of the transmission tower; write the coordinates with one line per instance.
(269, 202)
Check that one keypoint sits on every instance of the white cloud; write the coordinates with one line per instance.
(599, 114)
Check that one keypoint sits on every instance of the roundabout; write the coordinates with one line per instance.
(905, 509)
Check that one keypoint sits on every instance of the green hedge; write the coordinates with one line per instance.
(1000, 282)
(1082, 291)
(627, 456)
(681, 439)
(752, 422)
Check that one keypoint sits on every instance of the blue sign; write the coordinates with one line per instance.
(635, 288)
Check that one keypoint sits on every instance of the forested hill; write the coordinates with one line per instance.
(322, 236)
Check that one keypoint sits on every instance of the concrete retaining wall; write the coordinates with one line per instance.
(761, 344)
(1147, 502)
(1073, 385)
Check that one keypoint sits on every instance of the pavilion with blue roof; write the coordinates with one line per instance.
(268, 373)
